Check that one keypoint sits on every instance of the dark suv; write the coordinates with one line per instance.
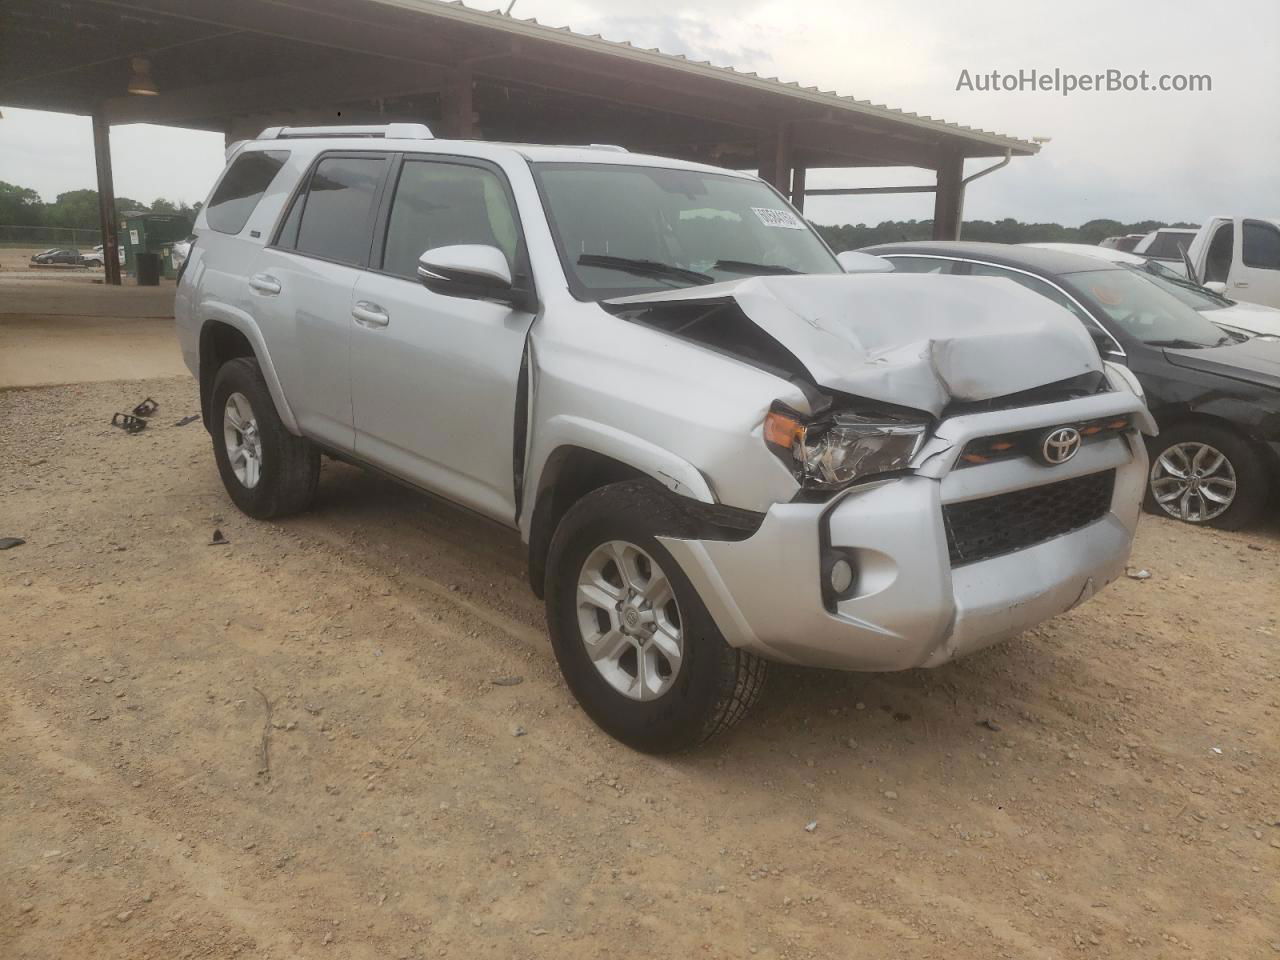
(1215, 394)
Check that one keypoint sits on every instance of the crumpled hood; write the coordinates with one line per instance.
(914, 340)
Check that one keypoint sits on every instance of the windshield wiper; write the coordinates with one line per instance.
(644, 268)
(1178, 344)
(746, 266)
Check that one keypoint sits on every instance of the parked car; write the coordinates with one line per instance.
(1125, 243)
(1238, 257)
(56, 255)
(1249, 318)
(719, 447)
(1215, 395)
(1166, 244)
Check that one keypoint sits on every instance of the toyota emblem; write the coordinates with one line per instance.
(1059, 445)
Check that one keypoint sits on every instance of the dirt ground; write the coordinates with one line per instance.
(309, 743)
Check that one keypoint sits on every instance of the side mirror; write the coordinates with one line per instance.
(855, 262)
(1216, 286)
(473, 271)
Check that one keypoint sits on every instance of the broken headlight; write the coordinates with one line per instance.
(838, 448)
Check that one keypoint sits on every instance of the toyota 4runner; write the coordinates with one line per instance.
(721, 444)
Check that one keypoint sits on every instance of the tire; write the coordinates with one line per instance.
(1195, 446)
(287, 467)
(712, 686)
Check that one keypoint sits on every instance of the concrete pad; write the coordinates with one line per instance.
(69, 330)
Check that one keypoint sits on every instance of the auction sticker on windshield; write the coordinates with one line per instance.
(778, 218)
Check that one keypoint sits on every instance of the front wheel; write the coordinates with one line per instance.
(1205, 475)
(634, 641)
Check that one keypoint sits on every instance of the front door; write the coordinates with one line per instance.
(435, 378)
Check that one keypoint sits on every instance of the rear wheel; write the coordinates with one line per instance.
(634, 641)
(1205, 475)
(267, 471)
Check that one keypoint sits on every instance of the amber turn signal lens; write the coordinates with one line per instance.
(782, 431)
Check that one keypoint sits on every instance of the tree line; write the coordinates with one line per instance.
(22, 206)
(852, 237)
(78, 209)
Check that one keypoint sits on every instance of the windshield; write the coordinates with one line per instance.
(1168, 245)
(1144, 310)
(624, 230)
(1192, 294)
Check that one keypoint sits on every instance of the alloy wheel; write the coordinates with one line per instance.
(1193, 481)
(629, 620)
(242, 439)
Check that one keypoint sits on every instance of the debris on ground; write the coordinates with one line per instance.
(185, 420)
(218, 540)
(811, 826)
(8, 543)
(128, 422)
(146, 408)
(1143, 574)
(507, 681)
(517, 730)
(990, 725)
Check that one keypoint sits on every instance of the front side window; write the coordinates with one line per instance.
(439, 204)
(628, 230)
(334, 219)
(241, 187)
(1143, 310)
(1261, 245)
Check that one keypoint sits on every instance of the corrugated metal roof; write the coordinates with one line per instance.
(531, 28)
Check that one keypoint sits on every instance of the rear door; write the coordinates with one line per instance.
(1255, 271)
(302, 288)
(435, 378)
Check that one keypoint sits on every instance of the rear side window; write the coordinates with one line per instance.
(919, 265)
(1261, 246)
(336, 216)
(241, 188)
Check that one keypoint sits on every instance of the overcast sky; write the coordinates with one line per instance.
(1131, 156)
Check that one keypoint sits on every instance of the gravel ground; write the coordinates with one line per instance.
(309, 743)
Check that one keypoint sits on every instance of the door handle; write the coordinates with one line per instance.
(370, 314)
(265, 283)
(1240, 283)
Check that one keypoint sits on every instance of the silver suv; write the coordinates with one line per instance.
(721, 443)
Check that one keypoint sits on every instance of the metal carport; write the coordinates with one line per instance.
(236, 66)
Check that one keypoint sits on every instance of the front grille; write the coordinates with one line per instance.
(993, 526)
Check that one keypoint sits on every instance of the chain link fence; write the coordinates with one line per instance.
(78, 237)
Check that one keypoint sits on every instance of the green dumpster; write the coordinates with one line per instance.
(152, 233)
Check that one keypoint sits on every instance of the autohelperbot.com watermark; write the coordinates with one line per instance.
(1065, 82)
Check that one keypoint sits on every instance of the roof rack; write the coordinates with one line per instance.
(611, 147)
(388, 131)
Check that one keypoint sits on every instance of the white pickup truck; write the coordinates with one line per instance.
(1238, 257)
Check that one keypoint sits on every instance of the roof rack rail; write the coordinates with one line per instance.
(611, 147)
(388, 131)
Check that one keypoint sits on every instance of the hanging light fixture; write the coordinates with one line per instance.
(141, 82)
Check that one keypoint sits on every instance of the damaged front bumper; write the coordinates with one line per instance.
(912, 602)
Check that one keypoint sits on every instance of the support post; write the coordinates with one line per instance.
(782, 165)
(766, 157)
(458, 106)
(948, 201)
(106, 199)
(797, 187)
